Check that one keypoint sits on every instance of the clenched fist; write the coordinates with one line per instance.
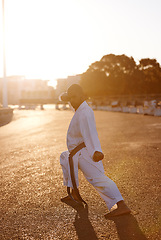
(97, 156)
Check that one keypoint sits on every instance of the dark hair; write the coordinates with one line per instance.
(75, 88)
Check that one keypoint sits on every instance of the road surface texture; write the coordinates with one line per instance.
(32, 182)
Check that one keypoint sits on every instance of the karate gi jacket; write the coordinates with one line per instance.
(82, 128)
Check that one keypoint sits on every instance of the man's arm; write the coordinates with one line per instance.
(90, 136)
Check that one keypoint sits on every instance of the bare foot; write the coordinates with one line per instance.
(122, 209)
(67, 198)
(118, 212)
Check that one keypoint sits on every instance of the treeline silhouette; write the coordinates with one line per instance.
(120, 75)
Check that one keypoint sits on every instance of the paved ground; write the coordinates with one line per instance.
(31, 178)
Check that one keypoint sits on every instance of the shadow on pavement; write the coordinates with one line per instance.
(83, 226)
(126, 225)
(128, 228)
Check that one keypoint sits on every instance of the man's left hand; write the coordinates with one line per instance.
(97, 156)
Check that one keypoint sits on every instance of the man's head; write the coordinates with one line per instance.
(74, 95)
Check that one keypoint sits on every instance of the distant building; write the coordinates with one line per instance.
(13, 88)
(22, 90)
(64, 83)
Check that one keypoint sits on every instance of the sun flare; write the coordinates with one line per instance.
(51, 39)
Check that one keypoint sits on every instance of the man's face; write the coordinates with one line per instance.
(75, 99)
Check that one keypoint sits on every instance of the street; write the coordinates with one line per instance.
(32, 180)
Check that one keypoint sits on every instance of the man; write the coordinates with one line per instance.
(82, 129)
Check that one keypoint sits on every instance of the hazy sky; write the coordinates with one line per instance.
(56, 38)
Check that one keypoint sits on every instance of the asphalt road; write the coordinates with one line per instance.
(31, 178)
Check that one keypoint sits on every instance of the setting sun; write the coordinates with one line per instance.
(44, 38)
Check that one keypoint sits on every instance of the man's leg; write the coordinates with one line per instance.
(64, 162)
(105, 187)
(65, 168)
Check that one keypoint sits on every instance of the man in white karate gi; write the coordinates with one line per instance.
(82, 128)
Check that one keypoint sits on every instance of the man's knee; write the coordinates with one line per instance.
(64, 157)
(101, 181)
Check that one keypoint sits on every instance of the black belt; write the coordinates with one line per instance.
(73, 152)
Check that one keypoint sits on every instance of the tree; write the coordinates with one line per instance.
(110, 75)
(151, 81)
(119, 74)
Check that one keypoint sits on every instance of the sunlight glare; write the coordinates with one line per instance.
(54, 39)
(48, 42)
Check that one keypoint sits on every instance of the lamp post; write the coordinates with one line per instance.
(5, 100)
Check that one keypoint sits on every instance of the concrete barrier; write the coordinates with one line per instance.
(132, 109)
(125, 109)
(6, 115)
(116, 109)
(140, 110)
(157, 112)
(149, 111)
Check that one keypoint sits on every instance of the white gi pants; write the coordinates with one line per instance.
(94, 173)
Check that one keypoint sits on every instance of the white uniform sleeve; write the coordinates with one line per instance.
(89, 132)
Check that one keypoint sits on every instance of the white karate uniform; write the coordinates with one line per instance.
(82, 128)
